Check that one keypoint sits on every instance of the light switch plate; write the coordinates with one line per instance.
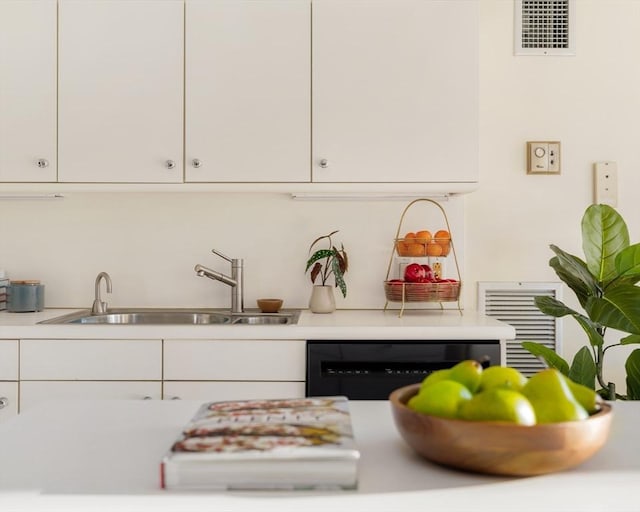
(606, 183)
(543, 157)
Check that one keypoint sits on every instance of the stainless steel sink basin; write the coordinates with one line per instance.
(262, 320)
(175, 317)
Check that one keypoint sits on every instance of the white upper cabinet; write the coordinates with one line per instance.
(248, 89)
(121, 91)
(395, 91)
(28, 90)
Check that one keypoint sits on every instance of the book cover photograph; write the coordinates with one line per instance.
(297, 443)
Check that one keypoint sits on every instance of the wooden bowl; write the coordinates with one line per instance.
(499, 448)
(269, 305)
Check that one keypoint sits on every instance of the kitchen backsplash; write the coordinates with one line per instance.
(150, 242)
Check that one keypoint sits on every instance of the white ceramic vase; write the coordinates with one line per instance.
(322, 299)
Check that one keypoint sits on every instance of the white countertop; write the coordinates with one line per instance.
(342, 324)
(105, 455)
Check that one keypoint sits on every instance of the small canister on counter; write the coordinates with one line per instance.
(25, 296)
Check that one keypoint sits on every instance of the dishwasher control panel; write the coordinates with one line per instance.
(370, 370)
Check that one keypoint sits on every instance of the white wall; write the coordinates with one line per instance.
(150, 242)
(591, 103)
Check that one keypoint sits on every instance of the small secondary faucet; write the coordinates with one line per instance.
(236, 281)
(99, 306)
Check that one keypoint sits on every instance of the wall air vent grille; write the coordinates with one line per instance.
(544, 27)
(513, 303)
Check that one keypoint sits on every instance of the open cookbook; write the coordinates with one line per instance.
(298, 443)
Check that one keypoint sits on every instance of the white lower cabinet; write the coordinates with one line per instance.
(89, 369)
(234, 369)
(8, 378)
(34, 392)
(59, 369)
(91, 360)
(227, 390)
(8, 400)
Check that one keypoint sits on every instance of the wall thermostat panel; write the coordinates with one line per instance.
(543, 157)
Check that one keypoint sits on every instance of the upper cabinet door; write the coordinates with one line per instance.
(28, 90)
(248, 90)
(120, 91)
(395, 91)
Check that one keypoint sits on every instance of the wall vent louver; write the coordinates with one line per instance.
(545, 27)
(513, 303)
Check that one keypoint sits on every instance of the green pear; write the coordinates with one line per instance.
(435, 376)
(502, 376)
(498, 404)
(440, 399)
(552, 399)
(585, 396)
(467, 372)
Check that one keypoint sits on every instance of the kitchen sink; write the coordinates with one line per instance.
(175, 317)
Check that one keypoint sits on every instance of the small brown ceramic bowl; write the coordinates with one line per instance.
(269, 305)
(496, 447)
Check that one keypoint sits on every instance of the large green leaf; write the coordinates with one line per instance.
(632, 366)
(583, 368)
(619, 308)
(553, 307)
(629, 340)
(552, 359)
(628, 264)
(574, 272)
(604, 235)
(595, 338)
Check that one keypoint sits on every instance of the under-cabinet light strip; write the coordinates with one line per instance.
(319, 196)
(32, 196)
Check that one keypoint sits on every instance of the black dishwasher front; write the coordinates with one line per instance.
(370, 370)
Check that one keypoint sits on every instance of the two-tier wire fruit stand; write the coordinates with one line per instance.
(439, 290)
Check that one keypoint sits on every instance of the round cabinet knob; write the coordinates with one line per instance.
(170, 164)
(42, 163)
(4, 402)
(196, 162)
(176, 398)
(324, 163)
(147, 397)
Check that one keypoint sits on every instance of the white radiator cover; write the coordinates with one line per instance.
(513, 303)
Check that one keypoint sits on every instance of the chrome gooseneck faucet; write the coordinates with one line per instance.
(236, 281)
(100, 307)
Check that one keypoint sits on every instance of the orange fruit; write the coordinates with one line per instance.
(443, 238)
(402, 248)
(446, 246)
(415, 249)
(434, 249)
(424, 236)
(410, 237)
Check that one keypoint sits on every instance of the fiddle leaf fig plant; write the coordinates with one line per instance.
(329, 261)
(605, 285)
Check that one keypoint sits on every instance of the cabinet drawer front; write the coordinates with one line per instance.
(271, 360)
(8, 400)
(91, 360)
(8, 360)
(213, 391)
(32, 393)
